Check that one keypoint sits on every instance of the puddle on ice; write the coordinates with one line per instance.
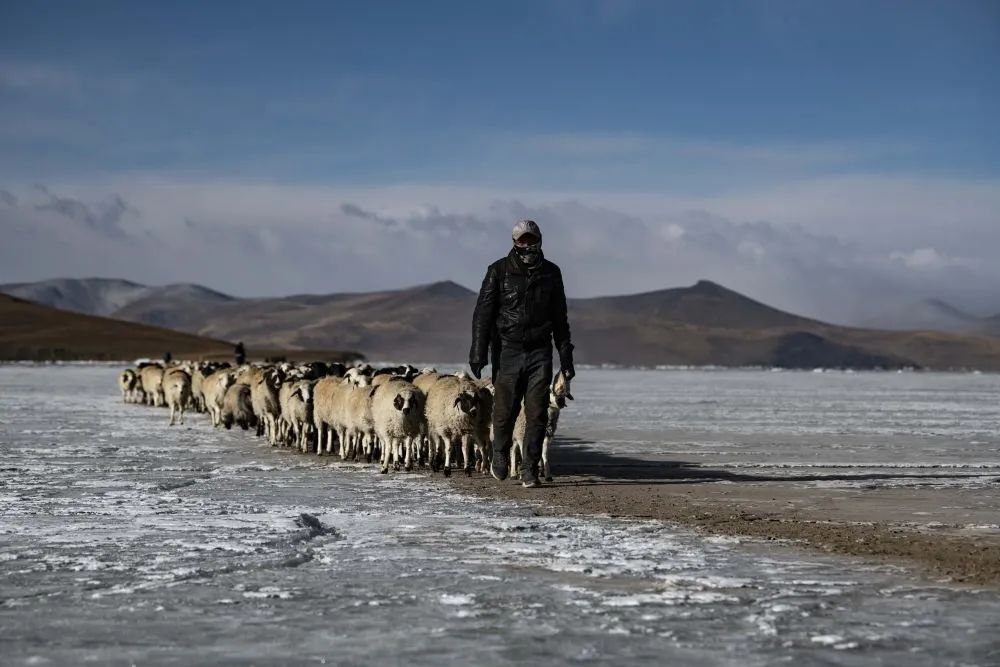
(122, 540)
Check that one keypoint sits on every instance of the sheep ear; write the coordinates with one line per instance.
(371, 394)
(398, 402)
(570, 396)
(458, 401)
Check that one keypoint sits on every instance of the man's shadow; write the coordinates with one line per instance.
(579, 457)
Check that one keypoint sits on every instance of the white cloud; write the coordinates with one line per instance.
(929, 259)
(269, 239)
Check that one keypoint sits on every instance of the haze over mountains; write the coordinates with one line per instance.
(702, 324)
(935, 315)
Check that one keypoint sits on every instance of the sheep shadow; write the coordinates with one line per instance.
(580, 458)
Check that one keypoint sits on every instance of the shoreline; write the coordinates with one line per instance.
(930, 531)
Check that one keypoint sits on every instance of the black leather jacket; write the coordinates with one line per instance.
(520, 308)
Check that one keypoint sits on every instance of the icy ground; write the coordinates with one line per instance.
(125, 541)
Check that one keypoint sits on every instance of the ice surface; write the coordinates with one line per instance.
(123, 540)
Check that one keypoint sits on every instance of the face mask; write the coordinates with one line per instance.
(530, 255)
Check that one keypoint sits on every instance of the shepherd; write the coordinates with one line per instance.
(520, 312)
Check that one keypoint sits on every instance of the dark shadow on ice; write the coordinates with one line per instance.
(576, 456)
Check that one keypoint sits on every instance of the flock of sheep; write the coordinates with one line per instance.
(400, 416)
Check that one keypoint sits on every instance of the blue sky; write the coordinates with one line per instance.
(749, 112)
(460, 91)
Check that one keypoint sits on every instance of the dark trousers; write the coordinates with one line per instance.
(518, 375)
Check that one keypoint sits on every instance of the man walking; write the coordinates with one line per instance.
(520, 311)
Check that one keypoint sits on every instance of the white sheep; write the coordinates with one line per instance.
(177, 392)
(327, 412)
(397, 409)
(558, 393)
(426, 379)
(296, 421)
(198, 375)
(128, 382)
(151, 379)
(266, 406)
(452, 409)
(214, 388)
(354, 420)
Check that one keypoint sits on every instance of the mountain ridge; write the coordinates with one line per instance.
(702, 324)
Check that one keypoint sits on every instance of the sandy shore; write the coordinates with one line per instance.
(943, 532)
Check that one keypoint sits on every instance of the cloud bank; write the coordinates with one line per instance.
(258, 239)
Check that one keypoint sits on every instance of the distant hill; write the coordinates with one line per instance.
(122, 299)
(32, 332)
(93, 296)
(990, 325)
(705, 324)
(927, 315)
(29, 331)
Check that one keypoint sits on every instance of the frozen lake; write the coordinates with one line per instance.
(125, 541)
(930, 428)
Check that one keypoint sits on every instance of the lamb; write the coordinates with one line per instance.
(236, 408)
(214, 387)
(558, 394)
(452, 409)
(177, 392)
(397, 409)
(151, 378)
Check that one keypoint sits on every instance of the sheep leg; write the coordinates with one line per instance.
(445, 443)
(546, 471)
(467, 453)
(320, 435)
(409, 444)
(515, 455)
(386, 455)
(341, 438)
(395, 444)
(171, 414)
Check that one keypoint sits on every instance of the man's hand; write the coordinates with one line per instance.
(566, 364)
(477, 370)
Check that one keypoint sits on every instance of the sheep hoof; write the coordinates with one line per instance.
(447, 472)
(384, 471)
(549, 478)
(409, 468)
(468, 472)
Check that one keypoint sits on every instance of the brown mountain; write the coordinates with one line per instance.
(34, 332)
(705, 324)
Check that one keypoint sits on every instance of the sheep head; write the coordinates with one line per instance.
(467, 402)
(406, 401)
